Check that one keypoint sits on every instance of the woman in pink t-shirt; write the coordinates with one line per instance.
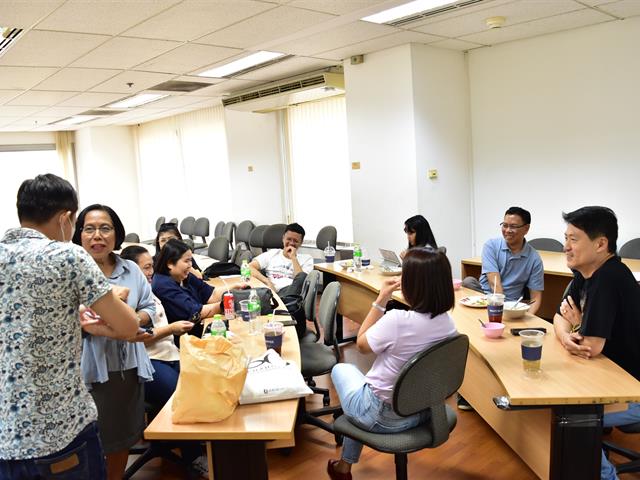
(394, 337)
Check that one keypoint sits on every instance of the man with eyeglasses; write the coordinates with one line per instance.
(510, 264)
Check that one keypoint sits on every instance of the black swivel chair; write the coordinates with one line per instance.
(200, 229)
(548, 244)
(272, 237)
(633, 466)
(256, 239)
(631, 249)
(132, 238)
(424, 383)
(219, 249)
(309, 293)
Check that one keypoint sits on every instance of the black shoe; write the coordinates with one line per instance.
(463, 404)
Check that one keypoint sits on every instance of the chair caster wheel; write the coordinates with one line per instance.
(338, 438)
(326, 400)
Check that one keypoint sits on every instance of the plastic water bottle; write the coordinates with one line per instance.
(254, 313)
(329, 253)
(245, 271)
(217, 326)
(357, 258)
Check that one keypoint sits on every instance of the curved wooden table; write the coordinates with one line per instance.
(552, 422)
(236, 446)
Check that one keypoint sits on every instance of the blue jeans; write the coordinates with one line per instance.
(365, 410)
(626, 417)
(165, 379)
(81, 459)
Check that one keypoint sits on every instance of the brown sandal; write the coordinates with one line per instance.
(334, 474)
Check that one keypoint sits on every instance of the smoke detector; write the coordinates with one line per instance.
(495, 22)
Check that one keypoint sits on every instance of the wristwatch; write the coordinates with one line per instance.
(378, 307)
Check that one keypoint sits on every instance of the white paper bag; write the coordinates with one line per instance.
(271, 378)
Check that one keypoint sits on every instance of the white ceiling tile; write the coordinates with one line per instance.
(623, 9)
(6, 95)
(188, 58)
(76, 79)
(90, 99)
(8, 120)
(335, 38)
(18, 111)
(337, 7)
(172, 101)
(61, 112)
(108, 17)
(196, 78)
(140, 80)
(456, 13)
(195, 18)
(224, 88)
(50, 49)
(25, 13)
(32, 122)
(22, 78)
(539, 27)
(267, 26)
(288, 68)
(514, 13)
(453, 44)
(41, 98)
(380, 43)
(124, 52)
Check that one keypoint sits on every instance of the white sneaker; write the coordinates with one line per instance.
(201, 466)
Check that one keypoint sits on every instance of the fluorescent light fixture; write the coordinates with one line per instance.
(241, 64)
(76, 119)
(137, 100)
(405, 10)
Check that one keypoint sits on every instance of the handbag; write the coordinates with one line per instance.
(268, 303)
(212, 374)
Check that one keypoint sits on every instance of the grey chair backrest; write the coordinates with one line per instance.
(326, 234)
(256, 239)
(219, 249)
(159, 222)
(201, 228)
(243, 232)
(327, 315)
(549, 244)
(217, 232)
(631, 249)
(229, 231)
(309, 293)
(243, 255)
(132, 237)
(186, 226)
(430, 377)
(273, 236)
(173, 220)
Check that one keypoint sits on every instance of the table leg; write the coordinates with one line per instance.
(576, 442)
(239, 459)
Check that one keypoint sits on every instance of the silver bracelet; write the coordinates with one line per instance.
(378, 307)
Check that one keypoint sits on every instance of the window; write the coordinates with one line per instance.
(23, 161)
(320, 189)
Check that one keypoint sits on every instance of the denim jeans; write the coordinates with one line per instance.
(80, 460)
(626, 417)
(165, 379)
(365, 410)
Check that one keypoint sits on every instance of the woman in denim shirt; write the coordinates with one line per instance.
(115, 370)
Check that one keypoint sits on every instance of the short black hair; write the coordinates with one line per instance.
(133, 252)
(427, 284)
(170, 253)
(115, 219)
(595, 222)
(422, 229)
(40, 198)
(521, 212)
(167, 227)
(295, 228)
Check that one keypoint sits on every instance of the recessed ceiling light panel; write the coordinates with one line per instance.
(241, 64)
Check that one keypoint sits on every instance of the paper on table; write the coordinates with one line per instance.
(637, 276)
(229, 276)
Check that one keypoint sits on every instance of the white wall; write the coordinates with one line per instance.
(107, 172)
(441, 111)
(253, 140)
(555, 127)
(27, 138)
(380, 123)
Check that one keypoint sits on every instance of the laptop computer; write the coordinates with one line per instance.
(390, 260)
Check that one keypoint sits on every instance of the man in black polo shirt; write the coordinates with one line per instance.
(601, 311)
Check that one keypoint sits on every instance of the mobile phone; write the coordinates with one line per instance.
(516, 331)
(196, 318)
(148, 329)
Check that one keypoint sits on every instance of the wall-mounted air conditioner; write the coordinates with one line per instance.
(290, 91)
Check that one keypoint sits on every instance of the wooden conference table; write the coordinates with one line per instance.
(236, 446)
(552, 422)
(556, 277)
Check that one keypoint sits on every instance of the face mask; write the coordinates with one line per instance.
(64, 239)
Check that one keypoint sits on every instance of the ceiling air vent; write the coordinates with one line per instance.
(180, 86)
(101, 112)
(300, 89)
(430, 13)
(8, 35)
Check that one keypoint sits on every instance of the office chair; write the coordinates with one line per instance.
(159, 222)
(228, 232)
(327, 234)
(243, 233)
(549, 244)
(217, 231)
(219, 249)
(256, 239)
(200, 229)
(309, 293)
(186, 226)
(424, 383)
(631, 249)
(273, 236)
(132, 238)
(319, 358)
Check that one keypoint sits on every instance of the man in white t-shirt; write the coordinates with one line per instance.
(284, 269)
